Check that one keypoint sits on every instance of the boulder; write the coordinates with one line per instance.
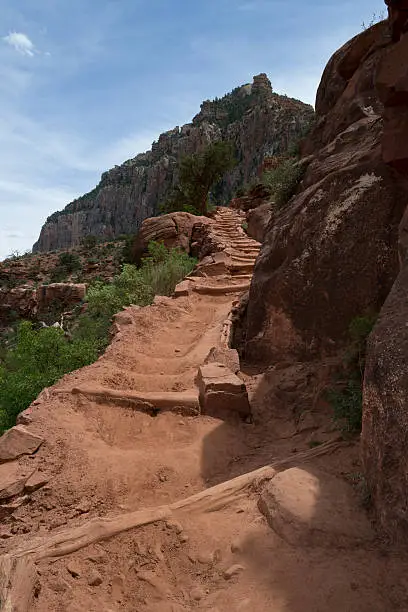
(312, 508)
(18, 441)
(174, 230)
(12, 480)
(65, 295)
(222, 393)
(226, 356)
(182, 289)
(258, 220)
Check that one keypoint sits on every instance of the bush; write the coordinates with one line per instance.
(347, 406)
(89, 242)
(38, 359)
(347, 398)
(164, 268)
(283, 180)
(69, 261)
(104, 300)
(66, 265)
(198, 174)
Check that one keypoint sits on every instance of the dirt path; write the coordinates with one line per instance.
(159, 512)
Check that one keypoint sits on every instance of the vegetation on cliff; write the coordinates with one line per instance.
(347, 396)
(198, 173)
(36, 358)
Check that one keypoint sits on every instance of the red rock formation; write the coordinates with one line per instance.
(398, 17)
(174, 230)
(332, 253)
(385, 414)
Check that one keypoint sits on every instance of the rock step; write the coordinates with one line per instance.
(241, 268)
(164, 400)
(221, 289)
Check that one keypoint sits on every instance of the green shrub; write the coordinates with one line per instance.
(38, 360)
(283, 180)
(347, 406)
(347, 398)
(40, 357)
(89, 242)
(164, 268)
(69, 261)
(66, 265)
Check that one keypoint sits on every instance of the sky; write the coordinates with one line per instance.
(87, 84)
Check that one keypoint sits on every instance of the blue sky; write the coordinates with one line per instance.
(87, 84)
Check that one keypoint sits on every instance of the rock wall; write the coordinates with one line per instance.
(258, 121)
(385, 413)
(29, 303)
(331, 253)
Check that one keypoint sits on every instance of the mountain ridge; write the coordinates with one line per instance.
(258, 121)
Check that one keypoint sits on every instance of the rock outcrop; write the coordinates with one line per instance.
(385, 415)
(173, 230)
(29, 303)
(331, 253)
(258, 121)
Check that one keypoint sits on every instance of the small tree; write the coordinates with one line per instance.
(198, 173)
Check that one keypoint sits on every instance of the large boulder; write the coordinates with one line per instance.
(312, 508)
(315, 273)
(173, 230)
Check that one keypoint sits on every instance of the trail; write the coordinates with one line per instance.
(152, 506)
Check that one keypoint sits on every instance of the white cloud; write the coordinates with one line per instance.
(20, 42)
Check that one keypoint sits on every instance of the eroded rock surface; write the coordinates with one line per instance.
(385, 415)
(331, 253)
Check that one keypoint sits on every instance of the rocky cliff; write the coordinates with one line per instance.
(338, 250)
(331, 254)
(257, 120)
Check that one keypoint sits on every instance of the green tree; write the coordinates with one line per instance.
(198, 173)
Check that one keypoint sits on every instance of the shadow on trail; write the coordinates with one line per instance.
(313, 575)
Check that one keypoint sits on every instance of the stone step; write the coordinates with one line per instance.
(221, 289)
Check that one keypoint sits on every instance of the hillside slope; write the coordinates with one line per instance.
(258, 121)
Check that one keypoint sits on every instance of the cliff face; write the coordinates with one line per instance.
(385, 415)
(331, 254)
(257, 120)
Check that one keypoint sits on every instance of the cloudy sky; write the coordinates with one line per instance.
(86, 84)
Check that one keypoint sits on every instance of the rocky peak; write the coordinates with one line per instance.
(262, 85)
